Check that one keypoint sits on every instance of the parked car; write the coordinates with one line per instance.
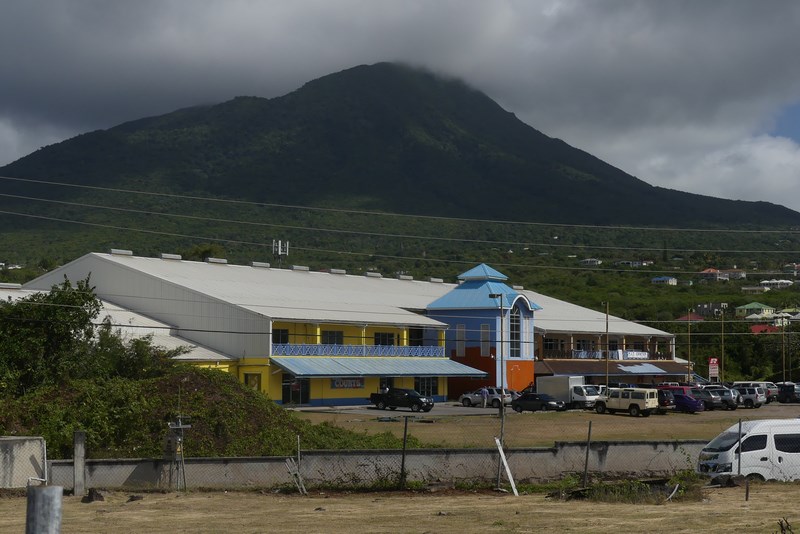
(402, 398)
(711, 399)
(666, 401)
(770, 389)
(752, 397)
(730, 398)
(537, 401)
(687, 403)
(473, 398)
(788, 392)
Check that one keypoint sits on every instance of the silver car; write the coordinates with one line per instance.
(752, 397)
(474, 398)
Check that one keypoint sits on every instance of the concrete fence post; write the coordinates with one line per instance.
(44, 510)
(79, 463)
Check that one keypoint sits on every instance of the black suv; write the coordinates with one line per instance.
(788, 392)
(666, 401)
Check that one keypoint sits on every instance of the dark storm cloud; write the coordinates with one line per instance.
(664, 89)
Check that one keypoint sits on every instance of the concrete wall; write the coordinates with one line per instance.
(21, 459)
(367, 468)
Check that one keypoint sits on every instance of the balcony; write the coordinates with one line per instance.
(627, 354)
(314, 349)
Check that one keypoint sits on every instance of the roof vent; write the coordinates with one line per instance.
(518, 288)
(121, 252)
(338, 271)
(405, 277)
(373, 274)
(261, 264)
(437, 280)
(165, 256)
(222, 261)
(5, 285)
(300, 267)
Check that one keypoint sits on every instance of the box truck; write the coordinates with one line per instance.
(570, 389)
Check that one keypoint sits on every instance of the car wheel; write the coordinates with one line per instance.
(381, 405)
(517, 408)
(633, 410)
(496, 403)
(748, 403)
(427, 409)
(392, 408)
(415, 407)
(466, 402)
(600, 408)
(754, 477)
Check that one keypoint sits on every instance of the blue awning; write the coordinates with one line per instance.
(322, 367)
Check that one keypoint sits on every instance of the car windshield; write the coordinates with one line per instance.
(591, 390)
(723, 442)
(546, 397)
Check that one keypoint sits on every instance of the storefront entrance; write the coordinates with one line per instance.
(295, 390)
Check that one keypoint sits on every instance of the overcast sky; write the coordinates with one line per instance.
(700, 96)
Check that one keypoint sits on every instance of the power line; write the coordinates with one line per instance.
(401, 215)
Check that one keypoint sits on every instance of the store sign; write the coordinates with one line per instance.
(713, 368)
(347, 383)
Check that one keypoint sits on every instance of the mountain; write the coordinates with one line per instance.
(382, 137)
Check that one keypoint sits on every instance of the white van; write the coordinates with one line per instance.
(770, 450)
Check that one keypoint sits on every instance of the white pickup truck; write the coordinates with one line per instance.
(635, 401)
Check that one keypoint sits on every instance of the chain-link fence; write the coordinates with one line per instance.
(459, 449)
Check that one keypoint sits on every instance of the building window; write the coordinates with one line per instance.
(253, 380)
(461, 340)
(415, 337)
(384, 338)
(332, 337)
(426, 385)
(613, 344)
(550, 343)
(515, 335)
(584, 344)
(280, 336)
(486, 349)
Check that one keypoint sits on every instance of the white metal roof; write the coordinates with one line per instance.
(133, 325)
(309, 296)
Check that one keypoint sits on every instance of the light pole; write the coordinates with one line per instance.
(502, 386)
(608, 346)
(502, 364)
(689, 350)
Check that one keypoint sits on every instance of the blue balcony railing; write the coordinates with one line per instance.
(311, 349)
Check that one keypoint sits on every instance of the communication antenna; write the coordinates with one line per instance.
(279, 250)
(174, 448)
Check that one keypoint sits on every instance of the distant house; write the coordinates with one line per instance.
(634, 263)
(754, 309)
(734, 274)
(691, 317)
(714, 275)
(664, 281)
(791, 269)
(711, 309)
(764, 329)
(776, 284)
(590, 262)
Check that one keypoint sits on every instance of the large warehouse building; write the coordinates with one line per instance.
(328, 338)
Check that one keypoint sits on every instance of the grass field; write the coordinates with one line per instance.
(720, 510)
(544, 428)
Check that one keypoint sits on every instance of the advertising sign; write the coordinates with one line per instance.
(713, 368)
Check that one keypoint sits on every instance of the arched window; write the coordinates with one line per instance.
(515, 328)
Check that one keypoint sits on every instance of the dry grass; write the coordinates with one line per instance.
(544, 428)
(722, 509)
